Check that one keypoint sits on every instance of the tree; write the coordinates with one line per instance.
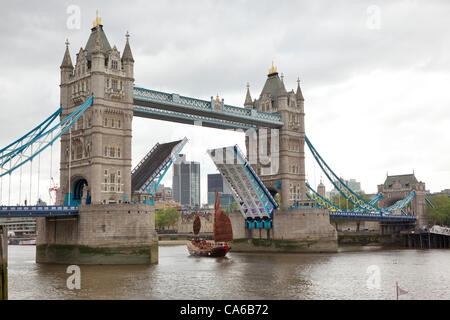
(172, 216)
(278, 200)
(166, 217)
(440, 214)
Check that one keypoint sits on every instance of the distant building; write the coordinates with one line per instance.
(352, 184)
(398, 187)
(445, 192)
(163, 193)
(321, 189)
(217, 184)
(186, 182)
(20, 227)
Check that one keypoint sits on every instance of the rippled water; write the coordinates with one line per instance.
(425, 274)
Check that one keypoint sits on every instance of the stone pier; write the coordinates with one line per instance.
(101, 234)
(295, 230)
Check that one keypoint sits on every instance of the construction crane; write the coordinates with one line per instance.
(54, 188)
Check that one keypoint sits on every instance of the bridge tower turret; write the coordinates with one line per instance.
(284, 173)
(66, 73)
(96, 152)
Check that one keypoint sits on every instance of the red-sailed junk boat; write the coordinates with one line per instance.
(222, 234)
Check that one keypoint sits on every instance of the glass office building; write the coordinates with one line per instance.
(186, 182)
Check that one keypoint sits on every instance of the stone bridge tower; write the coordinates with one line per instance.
(96, 153)
(95, 165)
(400, 186)
(278, 155)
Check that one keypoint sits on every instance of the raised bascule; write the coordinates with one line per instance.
(106, 211)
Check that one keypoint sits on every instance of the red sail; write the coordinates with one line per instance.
(223, 231)
(197, 225)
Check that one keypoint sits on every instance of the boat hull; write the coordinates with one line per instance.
(213, 250)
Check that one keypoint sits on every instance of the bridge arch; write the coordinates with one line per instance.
(77, 190)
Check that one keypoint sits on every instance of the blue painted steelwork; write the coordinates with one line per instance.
(385, 214)
(363, 207)
(166, 106)
(371, 216)
(327, 204)
(40, 133)
(35, 131)
(321, 201)
(348, 193)
(400, 204)
(264, 195)
(37, 211)
(189, 118)
(374, 201)
(152, 184)
(429, 202)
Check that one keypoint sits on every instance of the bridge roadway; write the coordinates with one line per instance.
(371, 216)
(173, 107)
(37, 211)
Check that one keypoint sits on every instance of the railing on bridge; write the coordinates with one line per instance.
(173, 106)
(37, 211)
(371, 216)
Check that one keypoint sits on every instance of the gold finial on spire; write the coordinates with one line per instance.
(273, 69)
(67, 43)
(98, 21)
(217, 98)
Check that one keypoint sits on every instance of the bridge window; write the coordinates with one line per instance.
(106, 151)
(112, 178)
(107, 83)
(114, 84)
(112, 152)
(114, 64)
(118, 152)
(112, 123)
(105, 122)
(106, 172)
(118, 123)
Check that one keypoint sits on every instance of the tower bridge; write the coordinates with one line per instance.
(109, 221)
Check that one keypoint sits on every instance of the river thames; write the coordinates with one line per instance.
(423, 273)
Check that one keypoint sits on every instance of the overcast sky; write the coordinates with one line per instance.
(375, 75)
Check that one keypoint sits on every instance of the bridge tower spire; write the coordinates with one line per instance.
(66, 73)
(248, 98)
